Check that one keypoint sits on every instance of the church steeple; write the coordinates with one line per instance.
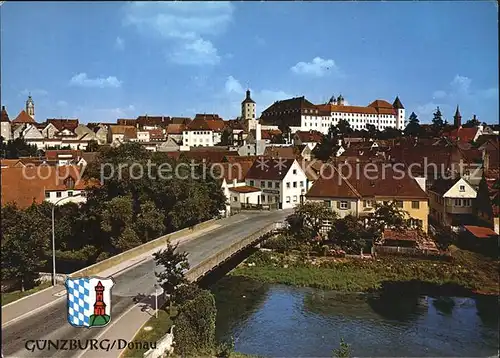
(30, 107)
(457, 118)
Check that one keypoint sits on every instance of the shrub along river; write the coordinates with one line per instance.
(278, 321)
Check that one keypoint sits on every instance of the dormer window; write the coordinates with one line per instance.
(462, 188)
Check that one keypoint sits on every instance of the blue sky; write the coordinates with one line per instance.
(101, 61)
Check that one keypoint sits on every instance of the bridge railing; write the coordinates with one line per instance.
(208, 264)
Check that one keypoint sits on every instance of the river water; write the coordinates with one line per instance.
(283, 321)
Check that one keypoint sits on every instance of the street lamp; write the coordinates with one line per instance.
(156, 300)
(54, 238)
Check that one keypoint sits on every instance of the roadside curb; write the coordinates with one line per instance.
(193, 235)
(28, 296)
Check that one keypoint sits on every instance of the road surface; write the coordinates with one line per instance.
(51, 323)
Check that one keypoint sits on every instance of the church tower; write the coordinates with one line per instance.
(400, 113)
(5, 124)
(457, 118)
(30, 107)
(248, 112)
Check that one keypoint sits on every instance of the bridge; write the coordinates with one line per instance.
(207, 249)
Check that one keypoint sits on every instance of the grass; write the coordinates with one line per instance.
(10, 297)
(160, 326)
(467, 269)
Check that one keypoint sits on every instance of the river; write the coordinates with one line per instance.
(283, 321)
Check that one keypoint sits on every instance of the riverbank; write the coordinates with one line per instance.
(466, 272)
(9, 297)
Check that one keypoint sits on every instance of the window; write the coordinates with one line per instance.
(457, 202)
(263, 198)
(328, 203)
(343, 205)
(288, 185)
(47, 194)
(295, 198)
(263, 184)
(294, 171)
(287, 199)
(462, 188)
(367, 203)
(301, 184)
(277, 185)
(415, 205)
(399, 204)
(269, 184)
(70, 193)
(58, 194)
(235, 198)
(70, 183)
(294, 184)
(251, 183)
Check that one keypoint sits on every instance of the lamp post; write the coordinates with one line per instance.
(54, 238)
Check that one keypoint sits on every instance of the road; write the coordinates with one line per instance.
(51, 323)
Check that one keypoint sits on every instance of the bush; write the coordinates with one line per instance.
(281, 243)
(185, 293)
(195, 326)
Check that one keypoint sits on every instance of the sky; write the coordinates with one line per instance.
(99, 61)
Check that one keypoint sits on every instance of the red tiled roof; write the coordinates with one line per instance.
(269, 133)
(24, 186)
(245, 189)
(462, 134)
(175, 128)
(280, 152)
(23, 117)
(480, 232)
(309, 136)
(156, 134)
(269, 171)
(365, 180)
(234, 170)
(130, 133)
(62, 124)
(119, 129)
(56, 154)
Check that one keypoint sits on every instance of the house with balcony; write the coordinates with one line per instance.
(451, 202)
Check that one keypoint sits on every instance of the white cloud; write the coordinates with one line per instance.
(318, 67)
(184, 25)
(83, 80)
(34, 92)
(198, 52)
(62, 103)
(439, 94)
(119, 44)
(233, 86)
(461, 84)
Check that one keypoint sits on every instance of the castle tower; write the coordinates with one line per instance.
(248, 112)
(340, 100)
(99, 305)
(332, 101)
(457, 118)
(400, 113)
(30, 107)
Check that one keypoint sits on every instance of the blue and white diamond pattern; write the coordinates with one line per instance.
(79, 310)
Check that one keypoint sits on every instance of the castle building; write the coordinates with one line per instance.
(300, 114)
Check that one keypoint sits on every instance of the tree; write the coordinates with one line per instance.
(471, 123)
(149, 223)
(328, 146)
(92, 146)
(344, 351)
(387, 215)
(372, 131)
(413, 127)
(285, 131)
(389, 133)
(23, 246)
(437, 122)
(344, 127)
(17, 148)
(308, 219)
(195, 326)
(226, 138)
(349, 234)
(173, 264)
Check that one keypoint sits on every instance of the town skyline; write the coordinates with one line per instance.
(193, 64)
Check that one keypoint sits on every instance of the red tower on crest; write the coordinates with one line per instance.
(99, 305)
